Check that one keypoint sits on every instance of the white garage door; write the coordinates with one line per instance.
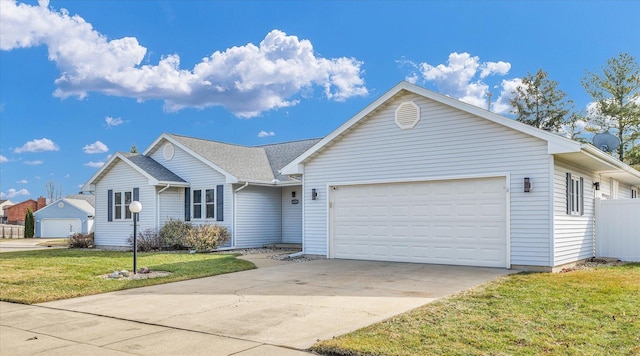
(456, 222)
(59, 227)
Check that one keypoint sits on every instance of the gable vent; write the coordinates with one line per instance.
(407, 115)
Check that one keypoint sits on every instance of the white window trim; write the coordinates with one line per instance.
(575, 195)
(203, 203)
(123, 207)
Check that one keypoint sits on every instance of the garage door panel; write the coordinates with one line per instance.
(59, 227)
(453, 222)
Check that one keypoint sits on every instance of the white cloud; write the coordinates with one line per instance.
(266, 134)
(38, 145)
(113, 121)
(464, 77)
(501, 105)
(22, 181)
(247, 80)
(33, 163)
(96, 147)
(12, 193)
(68, 175)
(3, 159)
(94, 164)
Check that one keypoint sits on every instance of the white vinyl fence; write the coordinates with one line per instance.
(618, 229)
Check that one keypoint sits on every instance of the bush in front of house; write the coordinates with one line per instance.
(174, 233)
(204, 238)
(79, 240)
(148, 240)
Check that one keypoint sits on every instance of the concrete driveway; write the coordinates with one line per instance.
(10, 245)
(291, 305)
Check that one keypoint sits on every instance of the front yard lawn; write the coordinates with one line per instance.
(44, 275)
(583, 312)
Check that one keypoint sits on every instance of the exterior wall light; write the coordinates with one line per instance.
(527, 185)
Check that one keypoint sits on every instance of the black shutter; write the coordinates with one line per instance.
(110, 205)
(569, 198)
(187, 204)
(136, 197)
(220, 203)
(581, 196)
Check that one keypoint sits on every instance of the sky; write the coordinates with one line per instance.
(81, 80)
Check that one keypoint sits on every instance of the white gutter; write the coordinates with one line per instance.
(158, 204)
(235, 207)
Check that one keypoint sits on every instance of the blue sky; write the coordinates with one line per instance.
(80, 80)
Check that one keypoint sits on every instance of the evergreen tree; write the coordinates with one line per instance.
(29, 224)
(538, 102)
(616, 93)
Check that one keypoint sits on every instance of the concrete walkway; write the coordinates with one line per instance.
(282, 309)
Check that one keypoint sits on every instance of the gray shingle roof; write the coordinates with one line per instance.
(89, 198)
(280, 154)
(153, 168)
(260, 163)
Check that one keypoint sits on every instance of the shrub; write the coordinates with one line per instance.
(79, 240)
(174, 233)
(204, 238)
(148, 240)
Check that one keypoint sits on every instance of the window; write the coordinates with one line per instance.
(575, 195)
(117, 206)
(204, 203)
(210, 200)
(127, 202)
(197, 204)
(634, 192)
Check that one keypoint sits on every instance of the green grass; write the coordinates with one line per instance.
(44, 275)
(584, 312)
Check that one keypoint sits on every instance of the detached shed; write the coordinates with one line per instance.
(65, 217)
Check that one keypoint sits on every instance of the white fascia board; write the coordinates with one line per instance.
(610, 160)
(91, 182)
(173, 184)
(230, 178)
(296, 166)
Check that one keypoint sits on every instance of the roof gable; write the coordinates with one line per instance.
(556, 144)
(154, 172)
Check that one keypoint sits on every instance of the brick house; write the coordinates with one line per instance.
(15, 214)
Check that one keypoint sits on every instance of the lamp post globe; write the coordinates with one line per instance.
(135, 207)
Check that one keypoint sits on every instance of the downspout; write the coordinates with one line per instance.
(158, 205)
(235, 192)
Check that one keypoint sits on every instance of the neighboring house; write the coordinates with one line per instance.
(16, 213)
(3, 204)
(201, 181)
(414, 177)
(421, 177)
(66, 216)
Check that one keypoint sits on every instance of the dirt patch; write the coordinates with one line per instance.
(594, 263)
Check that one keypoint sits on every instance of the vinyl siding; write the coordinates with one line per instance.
(573, 234)
(446, 142)
(116, 233)
(291, 216)
(171, 205)
(199, 176)
(259, 216)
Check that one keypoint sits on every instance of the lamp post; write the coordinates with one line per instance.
(135, 207)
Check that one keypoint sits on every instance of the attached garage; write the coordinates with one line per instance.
(52, 228)
(455, 222)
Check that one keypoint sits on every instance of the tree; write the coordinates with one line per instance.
(616, 93)
(53, 193)
(134, 149)
(537, 101)
(29, 224)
